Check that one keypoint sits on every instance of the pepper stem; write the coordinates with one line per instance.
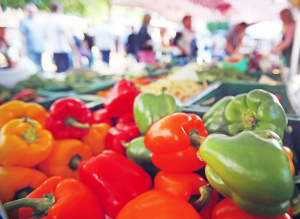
(163, 90)
(248, 119)
(71, 121)
(40, 206)
(74, 162)
(195, 138)
(30, 134)
(205, 196)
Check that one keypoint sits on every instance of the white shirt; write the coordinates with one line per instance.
(57, 34)
(104, 38)
(186, 40)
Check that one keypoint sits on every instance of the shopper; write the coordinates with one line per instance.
(33, 35)
(60, 39)
(104, 40)
(185, 39)
(288, 31)
(145, 42)
(132, 44)
(234, 38)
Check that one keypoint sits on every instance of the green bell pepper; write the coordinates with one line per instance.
(251, 169)
(138, 153)
(256, 110)
(148, 108)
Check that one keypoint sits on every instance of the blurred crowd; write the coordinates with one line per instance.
(66, 48)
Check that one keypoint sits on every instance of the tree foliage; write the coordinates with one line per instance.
(81, 8)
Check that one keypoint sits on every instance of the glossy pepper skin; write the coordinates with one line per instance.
(186, 185)
(138, 153)
(120, 98)
(101, 116)
(114, 179)
(148, 108)
(15, 109)
(256, 110)
(226, 209)
(123, 132)
(96, 136)
(68, 118)
(24, 142)
(17, 182)
(251, 170)
(73, 200)
(65, 158)
(158, 204)
(168, 139)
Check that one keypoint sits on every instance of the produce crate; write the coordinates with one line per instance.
(258, 74)
(217, 90)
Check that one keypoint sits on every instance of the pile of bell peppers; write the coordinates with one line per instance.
(140, 152)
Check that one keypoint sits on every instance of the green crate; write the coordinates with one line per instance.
(258, 74)
(217, 90)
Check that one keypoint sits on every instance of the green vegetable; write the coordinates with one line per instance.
(148, 108)
(250, 169)
(138, 153)
(256, 110)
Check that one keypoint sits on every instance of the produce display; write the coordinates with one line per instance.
(139, 155)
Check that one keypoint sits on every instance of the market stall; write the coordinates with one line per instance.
(173, 139)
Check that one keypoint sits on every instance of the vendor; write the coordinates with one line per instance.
(288, 30)
(234, 38)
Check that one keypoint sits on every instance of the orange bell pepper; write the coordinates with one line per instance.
(95, 137)
(24, 142)
(16, 109)
(65, 158)
(18, 182)
(290, 155)
(158, 204)
(185, 185)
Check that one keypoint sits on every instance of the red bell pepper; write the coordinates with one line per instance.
(125, 130)
(101, 116)
(186, 186)
(168, 139)
(226, 209)
(59, 198)
(114, 179)
(158, 204)
(120, 99)
(68, 118)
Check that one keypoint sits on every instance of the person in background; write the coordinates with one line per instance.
(234, 38)
(144, 38)
(185, 39)
(33, 35)
(288, 31)
(104, 40)
(60, 39)
(131, 44)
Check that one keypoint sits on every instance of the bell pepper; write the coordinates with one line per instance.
(120, 98)
(158, 204)
(168, 139)
(26, 95)
(24, 142)
(59, 198)
(251, 170)
(256, 110)
(148, 108)
(15, 109)
(95, 137)
(65, 158)
(186, 186)
(226, 209)
(123, 132)
(114, 179)
(68, 118)
(101, 116)
(18, 182)
(138, 153)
